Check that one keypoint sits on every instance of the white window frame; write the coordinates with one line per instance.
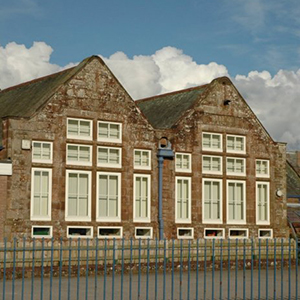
(213, 221)
(182, 237)
(236, 173)
(42, 236)
(79, 163)
(80, 137)
(183, 170)
(109, 165)
(238, 237)
(211, 171)
(148, 218)
(80, 236)
(137, 167)
(43, 161)
(214, 237)
(236, 151)
(143, 237)
(78, 218)
(265, 237)
(220, 149)
(109, 140)
(32, 216)
(245, 202)
(268, 168)
(189, 219)
(110, 236)
(109, 219)
(266, 222)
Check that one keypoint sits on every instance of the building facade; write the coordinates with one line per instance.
(84, 161)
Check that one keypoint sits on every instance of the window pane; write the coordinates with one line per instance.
(114, 131)
(78, 194)
(182, 199)
(206, 163)
(103, 194)
(72, 153)
(230, 143)
(40, 193)
(84, 154)
(141, 197)
(144, 196)
(211, 200)
(215, 141)
(239, 144)
(83, 195)
(206, 140)
(46, 151)
(113, 196)
(216, 164)
(84, 128)
(137, 158)
(239, 166)
(103, 155)
(114, 156)
(73, 127)
(145, 159)
(103, 130)
(37, 150)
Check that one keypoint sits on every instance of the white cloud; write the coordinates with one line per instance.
(275, 99)
(168, 69)
(19, 64)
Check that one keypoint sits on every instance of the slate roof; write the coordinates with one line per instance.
(165, 110)
(25, 99)
(292, 180)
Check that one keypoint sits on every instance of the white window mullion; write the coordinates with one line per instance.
(78, 195)
(212, 142)
(108, 197)
(236, 202)
(263, 203)
(141, 198)
(109, 132)
(41, 187)
(183, 200)
(42, 152)
(212, 201)
(79, 129)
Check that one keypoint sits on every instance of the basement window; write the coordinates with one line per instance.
(214, 233)
(143, 232)
(185, 233)
(79, 232)
(110, 232)
(41, 231)
(236, 233)
(265, 233)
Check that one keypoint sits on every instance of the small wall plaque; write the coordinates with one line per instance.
(26, 144)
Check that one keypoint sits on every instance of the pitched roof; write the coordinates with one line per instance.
(165, 110)
(25, 99)
(292, 180)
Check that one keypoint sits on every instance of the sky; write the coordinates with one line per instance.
(155, 47)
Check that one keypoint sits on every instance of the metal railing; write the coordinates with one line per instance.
(149, 269)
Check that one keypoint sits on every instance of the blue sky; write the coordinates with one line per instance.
(243, 35)
(159, 46)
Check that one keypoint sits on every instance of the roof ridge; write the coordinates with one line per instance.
(35, 80)
(171, 93)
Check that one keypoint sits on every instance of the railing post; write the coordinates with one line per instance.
(4, 269)
(32, 272)
(14, 270)
(42, 270)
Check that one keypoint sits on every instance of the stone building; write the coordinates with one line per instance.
(80, 158)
